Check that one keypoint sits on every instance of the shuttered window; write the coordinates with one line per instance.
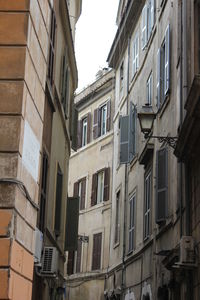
(148, 20)
(52, 47)
(131, 238)
(128, 136)
(43, 196)
(83, 136)
(147, 203)
(59, 182)
(102, 120)
(71, 225)
(161, 184)
(144, 27)
(96, 254)
(80, 191)
(100, 186)
(163, 69)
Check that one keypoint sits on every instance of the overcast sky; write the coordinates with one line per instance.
(95, 32)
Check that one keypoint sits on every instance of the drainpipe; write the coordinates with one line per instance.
(126, 184)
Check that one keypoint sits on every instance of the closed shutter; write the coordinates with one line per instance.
(96, 255)
(79, 134)
(88, 127)
(58, 202)
(161, 185)
(144, 27)
(94, 190)
(70, 263)
(95, 124)
(108, 120)
(71, 225)
(159, 83)
(132, 132)
(78, 259)
(83, 190)
(167, 60)
(124, 139)
(106, 184)
(76, 184)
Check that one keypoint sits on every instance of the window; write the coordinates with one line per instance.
(100, 186)
(117, 220)
(131, 224)
(52, 47)
(84, 131)
(101, 120)
(161, 185)
(43, 196)
(128, 135)
(96, 254)
(58, 201)
(80, 190)
(163, 71)
(148, 20)
(135, 54)
(147, 203)
(149, 90)
(83, 135)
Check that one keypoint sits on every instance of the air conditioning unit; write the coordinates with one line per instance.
(187, 251)
(38, 246)
(49, 260)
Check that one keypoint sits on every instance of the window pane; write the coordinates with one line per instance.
(100, 187)
(103, 119)
(84, 132)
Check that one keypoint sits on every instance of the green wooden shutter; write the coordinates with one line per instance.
(106, 184)
(124, 139)
(88, 127)
(79, 134)
(58, 202)
(83, 191)
(71, 227)
(94, 190)
(108, 120)
(70, 263)
(95, 124)
(96, 254)
(161, 185)
(74, 124)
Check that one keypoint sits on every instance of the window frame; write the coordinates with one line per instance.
(132, 222)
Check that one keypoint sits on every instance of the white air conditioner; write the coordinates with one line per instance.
(187, 251)
(49, 260)
(38, 246)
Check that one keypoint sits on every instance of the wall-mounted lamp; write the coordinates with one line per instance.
(146, 118)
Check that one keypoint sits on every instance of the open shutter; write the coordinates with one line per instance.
(94, 190)
(83, 190)
(124, 139)
(76, 184)
(79, 134)
(106, 184)
(167, 60)
(71, 227)
(108, 120)
(73, 127)
(95, 124)
(58, 202)
(70, 263)
(158, 78)
(88, 127)
(132, 132)
(144, 26)
(161, 185)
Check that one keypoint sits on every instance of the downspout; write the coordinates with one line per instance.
(126, 184)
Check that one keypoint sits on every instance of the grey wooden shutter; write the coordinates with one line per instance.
(124, 139)
(58, 202)
(108, 120)
(83, 190)
(94, 190)
(167, 60)
(96, 255)
(78, 259)
(70, 263)
(159, 83)
(88, 127)
(95, 124)
(71, 227)
(161, 185)
(106, 184)
(74, 128)
(132, 131)
(79, 134)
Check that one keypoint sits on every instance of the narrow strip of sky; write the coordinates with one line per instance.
(95, 32)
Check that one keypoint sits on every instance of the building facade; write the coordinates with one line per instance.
(90, 179)
(37, 82)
